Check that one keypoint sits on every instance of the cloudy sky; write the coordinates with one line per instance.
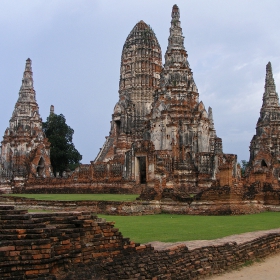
(75, 47)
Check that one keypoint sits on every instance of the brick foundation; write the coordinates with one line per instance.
(135, 208)
(60, 185)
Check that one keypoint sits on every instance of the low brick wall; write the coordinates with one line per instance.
(61, 185)
(44, 245)
(142, 207)
(180, 263)
(77, 245)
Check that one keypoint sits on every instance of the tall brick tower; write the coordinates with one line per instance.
(25, 151)
(139, 77)
(181, 129)
(177, 115)
(264, 163)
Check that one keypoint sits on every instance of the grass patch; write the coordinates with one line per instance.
(173, 228)
(79, 197)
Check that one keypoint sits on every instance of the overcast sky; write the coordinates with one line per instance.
(75, 47)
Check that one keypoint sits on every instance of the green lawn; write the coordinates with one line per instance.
(173, 228)
(76, 197)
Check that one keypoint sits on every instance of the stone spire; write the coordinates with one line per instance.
(51, 109)
(26, 112)
(270, 97)
(270, 100)
(210, 116)
(176, 39)
(265, 144)
(177, 117)
(24, 144)
(176, 55)
(27, 93)
(177, 70)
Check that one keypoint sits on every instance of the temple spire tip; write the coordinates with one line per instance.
(51, 110)
(269, 80)
(28, 65)
(175, 12)
(268, 66)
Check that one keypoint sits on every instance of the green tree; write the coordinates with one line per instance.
(243, 166)
(63, 152)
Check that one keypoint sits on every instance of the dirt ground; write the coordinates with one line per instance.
(268, 269)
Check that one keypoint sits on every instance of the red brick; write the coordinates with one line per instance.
(7, 248)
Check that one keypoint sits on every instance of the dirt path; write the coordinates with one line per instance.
(269, 269)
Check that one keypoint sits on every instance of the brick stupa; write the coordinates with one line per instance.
(25, 152)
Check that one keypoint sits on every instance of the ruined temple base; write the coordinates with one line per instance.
(65, 186)
(138, 208)
(5, 189)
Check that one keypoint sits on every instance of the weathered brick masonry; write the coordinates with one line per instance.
(162, 142)
(39, 246)
(224, 206)
(77, 245)
(180, 263)
(67, 185)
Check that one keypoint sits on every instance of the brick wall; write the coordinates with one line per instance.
(181, 263)
(61, 185)
(77, 245)
(43, 245)
(221, 207)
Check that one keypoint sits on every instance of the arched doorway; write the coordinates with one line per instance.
(41, 167)
(263, 163)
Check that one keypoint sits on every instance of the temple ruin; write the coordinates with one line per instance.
(163, 146)
(25, 152)
(264, 163)
(162, 142)
(161, 133)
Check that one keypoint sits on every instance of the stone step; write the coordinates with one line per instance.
(15, 217)
(20, 226)
(23, 236)
(13, 212)
(63, 226)
(62, 214)
(25, 242)
(6, 207)
(21, 231)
